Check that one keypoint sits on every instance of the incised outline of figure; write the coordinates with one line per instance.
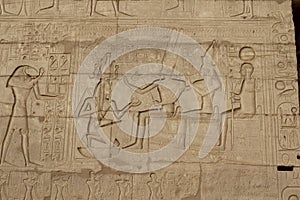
(155, 188)
(55, 5)
(22, 82)
(247, 12)
(104, 103)
(115, 4)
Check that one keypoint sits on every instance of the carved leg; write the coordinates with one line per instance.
(141, 127)
(55, 3)
(23, 7)
(116, 6)
(137, 132)
(223, 136)
(5, 144)
(174, 7)
(94, 8)
(181, 137)
(25, 145)
(247, 10)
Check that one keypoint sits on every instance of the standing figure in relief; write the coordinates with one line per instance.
(115, 4)
(22, 82)
(155, 188)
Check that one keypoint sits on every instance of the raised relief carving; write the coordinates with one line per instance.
(94, 184)
(115, 5)
(247, 12)
(30, 185)
(2, 7)
(243, 91)
(286, 88)
(124, 186)
(59, 187)
(288, 122)
(104, 105)
(4, 177)
(22, 82)
(242, 88)
(154, 187)
(54, 5)
(283, 28)
(290, 193)
(45, 42)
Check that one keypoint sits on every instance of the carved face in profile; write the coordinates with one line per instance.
(247, 70)
(30, 72)
(153, 176)
(22, 74)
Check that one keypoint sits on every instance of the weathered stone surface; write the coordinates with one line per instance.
(47, 97)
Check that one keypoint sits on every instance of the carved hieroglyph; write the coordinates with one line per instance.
(43, 44)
